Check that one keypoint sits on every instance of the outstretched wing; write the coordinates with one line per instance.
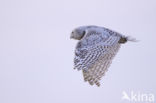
(94, 74)
(94, 54)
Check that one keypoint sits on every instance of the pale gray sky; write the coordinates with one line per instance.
(36, 53)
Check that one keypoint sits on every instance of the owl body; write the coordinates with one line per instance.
(95, 50)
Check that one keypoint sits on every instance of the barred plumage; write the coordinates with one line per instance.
(95, 50)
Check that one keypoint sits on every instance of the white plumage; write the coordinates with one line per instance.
(95, 50)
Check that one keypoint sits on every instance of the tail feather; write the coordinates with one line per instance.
(129, 38)
(124, 39)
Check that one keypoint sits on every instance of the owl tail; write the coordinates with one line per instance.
(124, 39)
(129, 38)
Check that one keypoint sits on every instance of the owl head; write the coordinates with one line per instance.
(78, 33)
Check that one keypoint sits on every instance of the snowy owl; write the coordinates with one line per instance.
(95, 50)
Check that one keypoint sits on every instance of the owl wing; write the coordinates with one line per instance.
(94, 74)
(95, 58)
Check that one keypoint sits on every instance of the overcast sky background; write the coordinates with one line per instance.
(36, 53)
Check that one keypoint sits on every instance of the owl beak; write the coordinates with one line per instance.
(71, 36)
